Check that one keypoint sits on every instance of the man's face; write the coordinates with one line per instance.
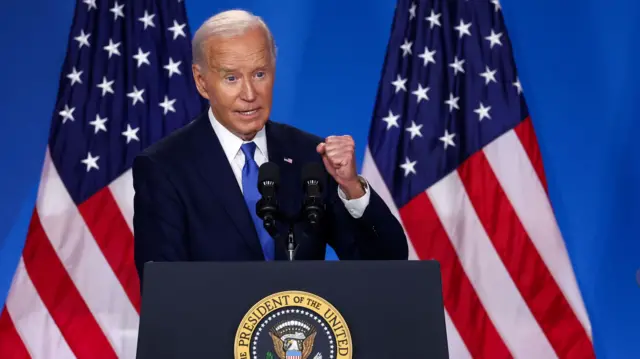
(238, 81)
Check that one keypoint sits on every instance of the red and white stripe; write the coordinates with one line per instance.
(75, 293)
(509, 288)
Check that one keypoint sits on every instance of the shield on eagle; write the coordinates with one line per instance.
(293, 339)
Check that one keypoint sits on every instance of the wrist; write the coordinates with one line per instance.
(353, 189)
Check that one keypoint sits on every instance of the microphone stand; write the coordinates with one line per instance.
(291, 243)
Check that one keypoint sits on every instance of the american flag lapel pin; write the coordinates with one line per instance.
(288, 160)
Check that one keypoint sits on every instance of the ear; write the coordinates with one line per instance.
(199, 79)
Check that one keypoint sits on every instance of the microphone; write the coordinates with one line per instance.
(313, 185)
(267, 206)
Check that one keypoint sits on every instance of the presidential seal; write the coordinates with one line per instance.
(293, 325)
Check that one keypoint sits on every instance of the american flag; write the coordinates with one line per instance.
(453, 152)
(125, 84)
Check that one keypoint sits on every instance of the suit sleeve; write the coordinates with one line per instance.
(158, 221)
(376, 234)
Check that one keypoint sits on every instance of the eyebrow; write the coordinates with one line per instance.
(225, 70)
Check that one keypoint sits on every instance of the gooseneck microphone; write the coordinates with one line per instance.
(312, 186)
(267, 206)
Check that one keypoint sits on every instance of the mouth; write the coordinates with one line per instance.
(248, 113)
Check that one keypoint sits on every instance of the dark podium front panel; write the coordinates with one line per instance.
(282, 310)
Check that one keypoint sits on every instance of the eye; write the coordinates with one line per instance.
(260, 74)
(230, 78)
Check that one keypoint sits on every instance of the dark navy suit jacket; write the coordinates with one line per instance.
(188, 205)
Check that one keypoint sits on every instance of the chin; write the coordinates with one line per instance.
(249, 127)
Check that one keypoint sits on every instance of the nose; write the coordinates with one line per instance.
(248, 91)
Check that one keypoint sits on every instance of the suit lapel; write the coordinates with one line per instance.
(216, 171)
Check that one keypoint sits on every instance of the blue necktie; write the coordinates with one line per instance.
(252, 195)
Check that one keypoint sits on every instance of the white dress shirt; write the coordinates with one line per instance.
(231, 144)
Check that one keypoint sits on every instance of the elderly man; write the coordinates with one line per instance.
(195, 191)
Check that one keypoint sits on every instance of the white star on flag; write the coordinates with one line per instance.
(98, 123)
(167, 105)
(136, 95)
(142, 57)
(172, 67)
(391, 120)
(91, 4)
(74, 76)
(117, 11)
(406, 47)
(489, 75)
(447, 139)
(414, 129)
(131, 133)
(106, 86)
(112, 48)
(91, 162)
(67, 113)
(177, 29)
(457, 65)
(83, 39)
(452, 102)
(434, 19)
(463, 28)
(399, 83)
(147, 19)
(494, 39)
(428, 56)
(483, 111)
(421, 93)
(408, 166)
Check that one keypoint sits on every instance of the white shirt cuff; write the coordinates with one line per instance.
(356, 207)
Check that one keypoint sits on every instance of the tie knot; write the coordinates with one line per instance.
(248, 149)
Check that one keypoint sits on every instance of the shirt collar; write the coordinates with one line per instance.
(231, 143)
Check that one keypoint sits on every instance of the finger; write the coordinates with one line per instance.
(340, 152)
(339, 148)
(336, 156)
(321, 148)
(339, 161)
(344, 144)
(338, 139)
(327, 164)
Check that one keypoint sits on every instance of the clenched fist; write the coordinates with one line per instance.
(339, 157)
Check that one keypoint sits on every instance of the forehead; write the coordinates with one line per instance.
(246, 50)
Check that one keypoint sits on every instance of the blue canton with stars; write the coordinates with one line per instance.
(126, 83)
(449, 87)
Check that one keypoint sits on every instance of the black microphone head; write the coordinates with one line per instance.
(313, 172)
(268, 176)
(313, 177)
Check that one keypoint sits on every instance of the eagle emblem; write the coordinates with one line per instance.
(293, 325)
(293, 339)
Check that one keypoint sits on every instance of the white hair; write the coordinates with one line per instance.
(227, 24)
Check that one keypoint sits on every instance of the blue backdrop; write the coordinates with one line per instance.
(577, 63)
